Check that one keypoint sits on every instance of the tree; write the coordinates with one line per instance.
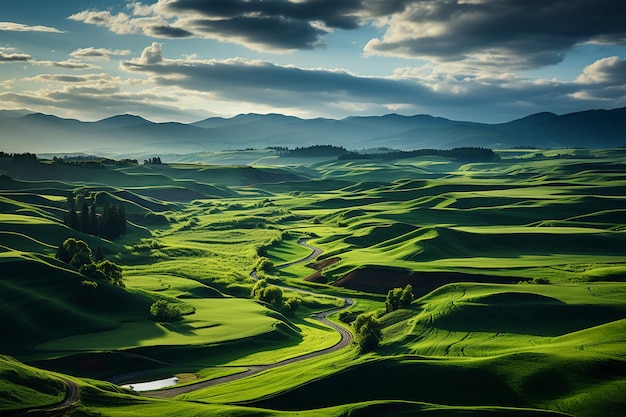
(71, 219)
(368, 334)
(292, 304)
(74, 252)
(163, 310)
(92, 271)
(272, 295)
(392, 302)
(85, 223)
(407, 296)
(264, 265)
(258, 288)
(78, 254)
(93, 219)
(398, 298)
(111, 271)
(152, 161)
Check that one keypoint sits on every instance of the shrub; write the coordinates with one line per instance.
(264, 265)
(163, 310)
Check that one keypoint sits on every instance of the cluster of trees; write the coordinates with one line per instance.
(315, 151)
(93, 161)
(78, 254)
(367, 329)
(111, 224)
(19, 157)
(152, 161)
(367, 333)
(163, 310)
(464, 154)
(273, 295)
(399, 298)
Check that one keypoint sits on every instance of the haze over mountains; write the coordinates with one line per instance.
(23, 131)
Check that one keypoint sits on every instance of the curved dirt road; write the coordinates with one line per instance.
(346, 339)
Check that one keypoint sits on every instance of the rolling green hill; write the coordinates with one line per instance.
(517, 268)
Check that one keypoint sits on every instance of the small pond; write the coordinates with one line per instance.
(152, 385)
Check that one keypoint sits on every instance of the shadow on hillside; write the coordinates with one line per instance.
(524, 313)
(379, 280)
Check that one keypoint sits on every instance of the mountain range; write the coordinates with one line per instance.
(24, 131)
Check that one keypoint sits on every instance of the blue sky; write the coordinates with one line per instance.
(185, 60)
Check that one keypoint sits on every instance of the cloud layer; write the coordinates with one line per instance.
(512, 33)
(464, 59)
(516, 34)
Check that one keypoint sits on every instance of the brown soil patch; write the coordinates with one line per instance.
(380, 280)
(318, 266)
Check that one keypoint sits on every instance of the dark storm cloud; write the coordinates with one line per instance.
(271, 32)
(530, 33)
(333, 13)
(276, 25)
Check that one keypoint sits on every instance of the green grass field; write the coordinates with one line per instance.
(518, 269)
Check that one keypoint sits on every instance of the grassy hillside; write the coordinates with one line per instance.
(517, 268)
(22, 386)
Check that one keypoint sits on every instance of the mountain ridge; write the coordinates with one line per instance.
(24, 131)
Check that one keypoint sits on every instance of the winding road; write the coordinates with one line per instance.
(322, 317)
(71, 397)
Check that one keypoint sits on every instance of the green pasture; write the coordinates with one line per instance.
(473, 342)
(213, 321)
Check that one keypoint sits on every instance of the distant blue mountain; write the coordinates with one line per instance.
(23, 131)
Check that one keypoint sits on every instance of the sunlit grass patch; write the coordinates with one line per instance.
(214, 320)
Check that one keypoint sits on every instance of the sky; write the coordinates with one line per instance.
(185, 60)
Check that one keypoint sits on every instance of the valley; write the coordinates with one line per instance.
(516, 266)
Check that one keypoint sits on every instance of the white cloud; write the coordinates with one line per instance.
(611, 70)
(13, 56)
(124, 24)
(151, 55)
(19, 27)
(67, 64)
(103, 54)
